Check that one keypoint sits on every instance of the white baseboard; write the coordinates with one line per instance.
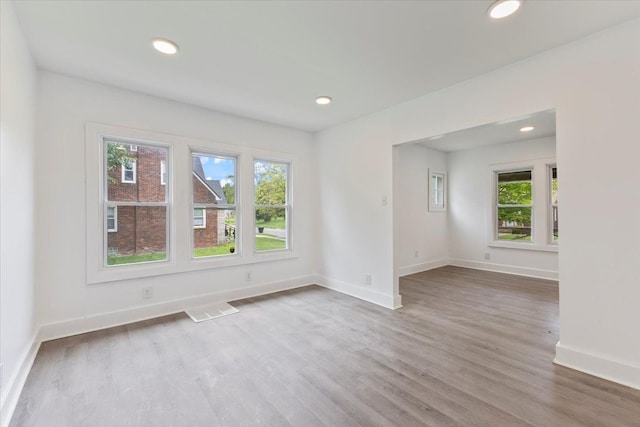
(15, 383)
(135, 314)
(598, 366)
(503, 268)
(423, 266)
(388, 301)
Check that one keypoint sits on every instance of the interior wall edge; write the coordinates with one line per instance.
(15, 383)
(392, 302)
(423, 266)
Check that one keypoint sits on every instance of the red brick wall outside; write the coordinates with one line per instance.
(142, 229)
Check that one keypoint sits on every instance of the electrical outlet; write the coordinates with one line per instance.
(416, 254)
(147, 293)
(367, 279)
(249, 276)
(487, 255)
(385, 201)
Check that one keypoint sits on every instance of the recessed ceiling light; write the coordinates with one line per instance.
(503, 8)
(165, 46)
(323, 100)
(527, 129)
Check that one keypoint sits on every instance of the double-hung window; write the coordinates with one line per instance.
(135, 216)
(436, 191)
(271, 205)
(214, 208)
(514, 207)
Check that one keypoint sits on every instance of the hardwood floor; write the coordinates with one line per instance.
(468, 348)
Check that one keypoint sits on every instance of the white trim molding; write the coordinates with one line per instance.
(392, 302)
(598, 365)
(503, 268)
(423, 266)
(15, 383)
(86, 324)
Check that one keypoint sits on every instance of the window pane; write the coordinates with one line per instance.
(514, 224)
(111, 219)
(213, 179)
(139, 171)
(199, 217)
(218, 237)
(141, 235)
(514, 188)
(271, 229)
(271, 183)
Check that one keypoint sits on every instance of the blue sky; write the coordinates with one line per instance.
(217, 168)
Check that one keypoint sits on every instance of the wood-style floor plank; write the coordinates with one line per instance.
(468, 348)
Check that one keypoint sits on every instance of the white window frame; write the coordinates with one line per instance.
(540, 205)
(286, 206)
(115, 219)
(133, 148)
(163, 172)
(180, 214)
(434, 206)
(217, 206)
(204, 218)
(133, 168)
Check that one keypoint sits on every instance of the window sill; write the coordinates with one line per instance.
(523, 246)
(161, 268)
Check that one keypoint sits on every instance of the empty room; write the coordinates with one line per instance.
(319, 213)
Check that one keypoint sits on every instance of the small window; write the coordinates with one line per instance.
(133, 148)
(199, 218)
(129, 172)
(553, 191)
(112, 219)
(271, 205)
(514, 205)
(436, 191)
(163, 172)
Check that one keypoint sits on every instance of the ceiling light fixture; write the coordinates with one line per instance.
(165, 46)
(503, 8)
(527, 129)
(323, 100)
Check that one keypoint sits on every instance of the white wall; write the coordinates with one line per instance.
(17, 212)
(469, 207)
(64, 298)
(418, 228)
(594, 85)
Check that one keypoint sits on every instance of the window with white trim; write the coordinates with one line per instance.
(437, 191)
(163, 172)
(142, 209)
(112, 219)
(133, 148)
(271, 205)
(213, 192)
(514, 205)
(524, 205)
(199, 218)
(129, 171)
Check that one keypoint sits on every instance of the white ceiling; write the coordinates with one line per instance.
(544, 123)
(268, 60)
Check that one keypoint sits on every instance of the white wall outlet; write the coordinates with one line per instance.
(487, 255)
(385, 201)
(248, 276)
(367, 279)
(416, 254)
(147, 293)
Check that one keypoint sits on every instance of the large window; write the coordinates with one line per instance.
(271, 205)
(524, 208)
(514, 205)
(135, 216)
(213, 191)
